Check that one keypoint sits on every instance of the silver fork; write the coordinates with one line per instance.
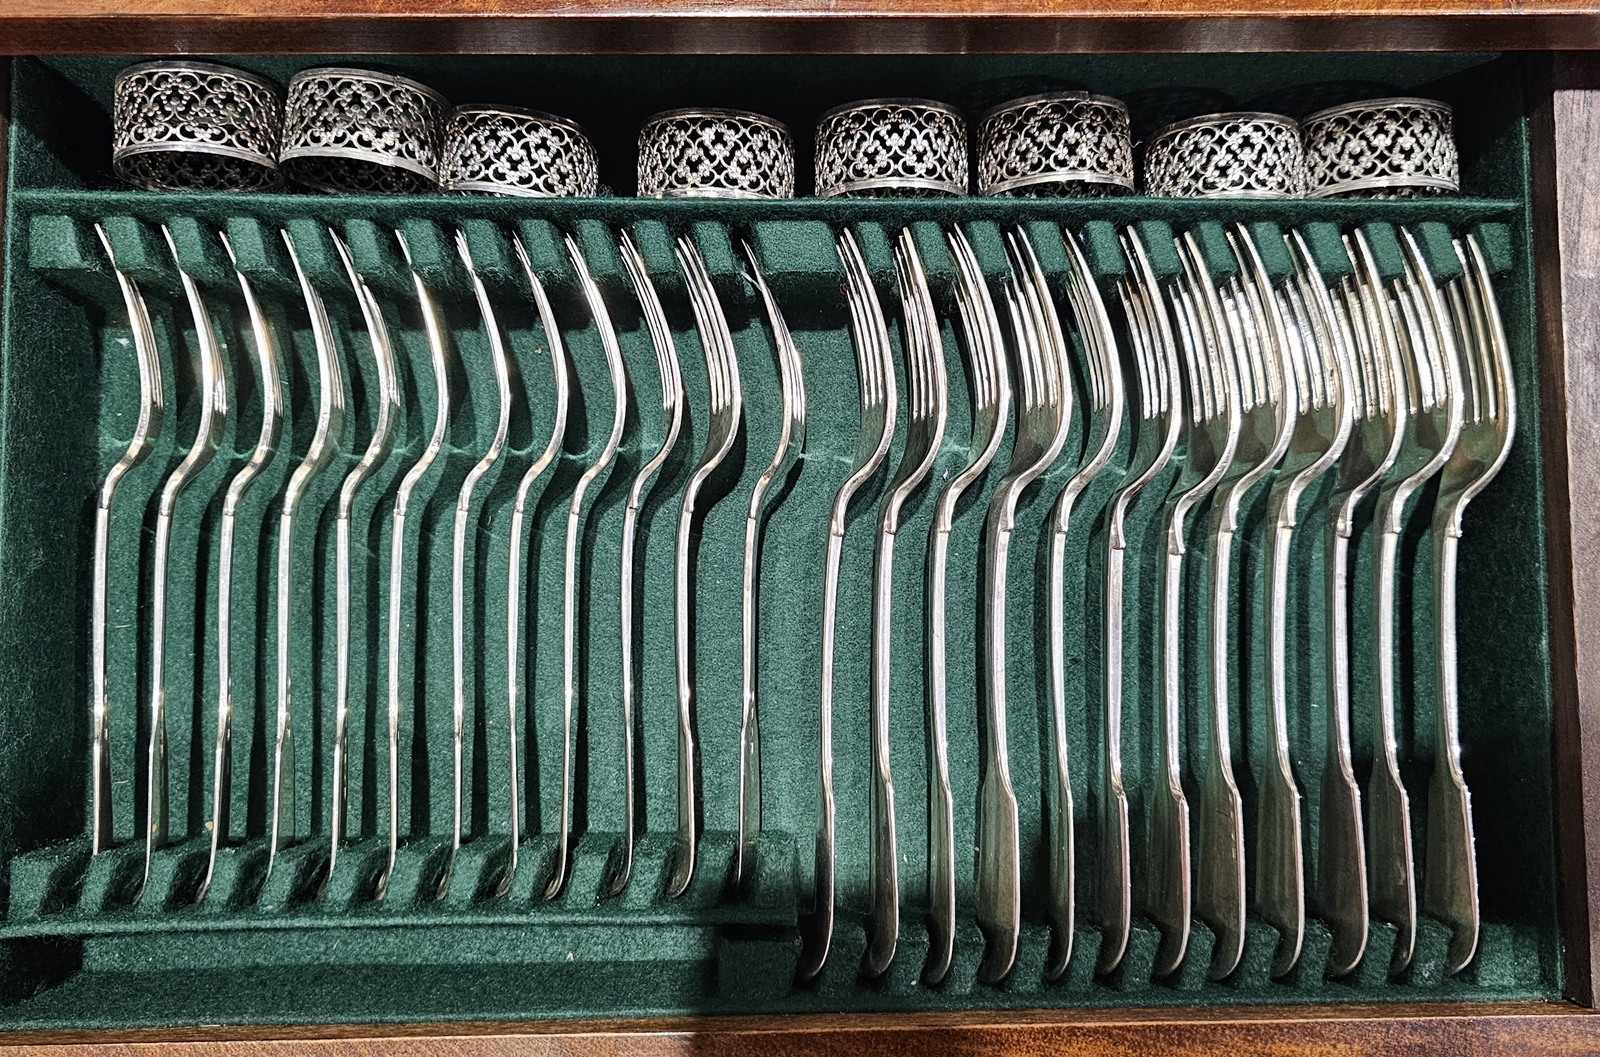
(1104, 405)
(266, 447)
(378, 449)
(1267, 400)
(666, 351)
(1378, 427)
(928, 407)
(991, 404)
(208, 435)
(1157, 424)
(501, 364)
(529, 488)
(439, 363)
(875, 374)
(1044, 411)
(591, 479)
(727, 412)
(1450, 876)
(146, 430)
(1434, 401)
(1316, 351)
(791, 442)
(1210, 439)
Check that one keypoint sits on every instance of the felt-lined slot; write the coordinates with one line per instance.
(70, 382)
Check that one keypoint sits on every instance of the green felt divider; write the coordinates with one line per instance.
(276, 953)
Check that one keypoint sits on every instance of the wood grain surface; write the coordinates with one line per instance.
(531, 26)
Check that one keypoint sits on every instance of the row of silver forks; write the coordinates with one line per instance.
(1223, 377)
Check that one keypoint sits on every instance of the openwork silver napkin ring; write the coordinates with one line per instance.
(706, 153)
(196, 126)
(1068, 144)
(1390, 148)
(362, 131)
(510, 151)
(892, 148)
(1238, 155)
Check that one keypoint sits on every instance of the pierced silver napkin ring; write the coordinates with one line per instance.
(362, 131)
(892, 148)
(1237, 155)
(507, 150)
(196, 126)
(1391, 148)
(711, 153)
(1068, 144)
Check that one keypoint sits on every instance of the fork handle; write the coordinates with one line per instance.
(1280, 865)
(1059, 904)
(1391, 873)
(884, 872)
(941, 800)
(1219, 879)
(999, 869)
(818, 926)
(1168, 900)
(1341, 885)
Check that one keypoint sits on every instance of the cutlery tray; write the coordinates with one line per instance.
(80, 951)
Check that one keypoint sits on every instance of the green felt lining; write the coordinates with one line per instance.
(87, 955)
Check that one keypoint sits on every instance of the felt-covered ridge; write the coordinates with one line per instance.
(83, 948)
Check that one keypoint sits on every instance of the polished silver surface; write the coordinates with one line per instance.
(1234, 155)
(710, 153)
(875, 378)
(352, 131)
(990, 384)
(146, 431)
(208, 436)
(182, 125)
(1069, 144)
(1401, 147)
(892, 148)
(507, 150)
(791, 443)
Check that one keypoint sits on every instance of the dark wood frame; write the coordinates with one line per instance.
(1566, 140)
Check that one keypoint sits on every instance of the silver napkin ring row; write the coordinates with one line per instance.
(183, 125)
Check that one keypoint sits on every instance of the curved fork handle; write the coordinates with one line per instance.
(818, 926)
(1391, 876)
(1341, 892)
(1280, 864)
(1219, 879)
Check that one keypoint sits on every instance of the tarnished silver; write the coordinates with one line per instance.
(325, 443)
(1428, 384)
(207, 438)
(181, 125)
(462, 524)
(672, 401)
(1315, 353)
(1235, 155)
(791, 442)
(1402, 147)
(928, 411)
(357, 131)
(507, 150)
(712, 153)
(1450, 873)
(875, 377)
(589, 485)
(529, 489)
(892, 148)
(1103, 406)
(991, 405)
(270, 379)
(146, 430)
(727, 417)
(1044, 414)
(1068, 144)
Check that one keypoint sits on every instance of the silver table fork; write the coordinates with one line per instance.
(991, 404)
(1044, 411)
(1434, 401)
(1105, 407)
(727, 412)
(1375, 436)
(791, 442)
(208, 435)
(1450, 875)
(1320, 362)
(1157, 415)
(928, 407)
(146, 430)
(875, 374)
(666, 350)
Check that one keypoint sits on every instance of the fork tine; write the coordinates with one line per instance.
(1480, 292)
